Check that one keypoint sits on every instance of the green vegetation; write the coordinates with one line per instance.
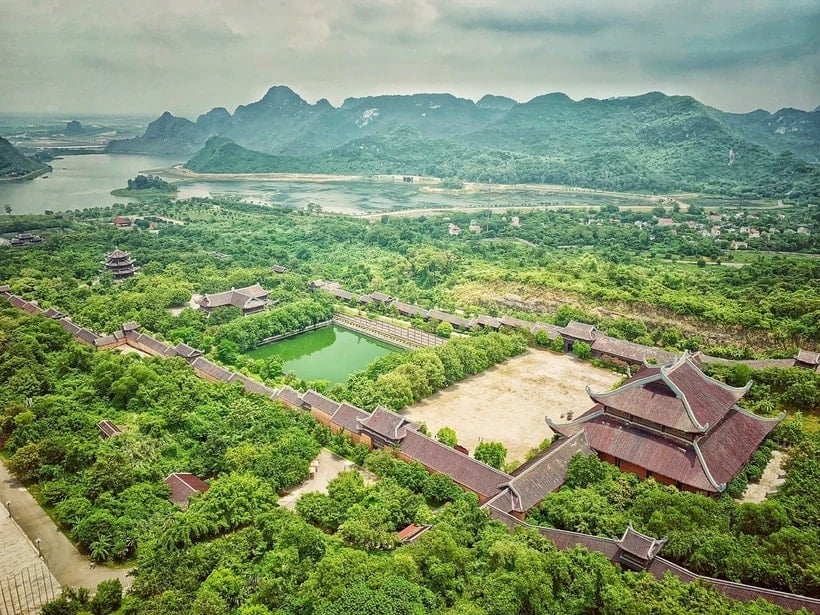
(146, 186)
(16, 166)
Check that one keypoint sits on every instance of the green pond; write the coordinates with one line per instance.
(331, 353)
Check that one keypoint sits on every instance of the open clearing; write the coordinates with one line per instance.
(508, 402)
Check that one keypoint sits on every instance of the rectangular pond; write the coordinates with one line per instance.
(331, 353)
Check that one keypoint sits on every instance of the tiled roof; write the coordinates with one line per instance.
(339, 293)
(29, 307)
(412, 532)
(69, 326)
(108, 429)
(289, 396)
(184, 350)
(183, 485)
(579, 331)
(640, 545)
(279, 268)
(211, 369)
(488, 321)
(552, 331)
(155, 346)
(518, 323)
(251, 385)
(131, 325)
(248, 297)
(380, 297)
(348, 416)
(677, 395)
(464, 470)
(808, 357)
(727, 448)
(106, 340)
(630, 351)
(312, 399)
(86, 335)
(545, 473)
(5, 289)
(408, 309)
(53, 312)
(386, 423)
(456, 321)
(118, 254)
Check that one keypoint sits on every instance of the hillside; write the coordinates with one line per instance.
(14, 165)
(651, 142)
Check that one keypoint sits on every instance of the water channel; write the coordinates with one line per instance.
(331, 353)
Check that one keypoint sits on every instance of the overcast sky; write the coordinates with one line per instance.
(187, 56)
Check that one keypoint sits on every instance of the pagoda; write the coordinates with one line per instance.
(120, 264)
(675, 424)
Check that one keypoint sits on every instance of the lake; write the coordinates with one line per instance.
(331, 353)
(78, 182)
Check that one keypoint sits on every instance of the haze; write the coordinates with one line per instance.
(188, 56)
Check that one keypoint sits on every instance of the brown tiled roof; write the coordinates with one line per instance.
(510, 321)
(408, 309)
(279, 268)
(348, 416)
(289, 396)
(365, 299)
(251, 385)
(106, 340)
(86, 335)
(69, 326)
(630, 351)
(312, 399)
(155, 346)
(579, 331)
(16, 301)
(729, 445)
(5, 289)
(53, 312)
(381, 297)
(387, 423)
(660, 455)
(131, 325)
(545, 473)
(412, 532)
(186, 351)
(248, 297)
(29, 307)
(808, 357)
(339, 293)
(183, 485)
(552, 330)
(487, 321)
(640, 545)
(108, 429)
(456, 321)
(117, 254)
(464, 470)
(211, 369)
(678, 395)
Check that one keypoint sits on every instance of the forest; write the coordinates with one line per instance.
(235, 550)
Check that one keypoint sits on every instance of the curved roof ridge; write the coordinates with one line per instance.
(629, 385)
(580, 419)
(727, 387)
(719, 486)
(762, 419)
(680, 395)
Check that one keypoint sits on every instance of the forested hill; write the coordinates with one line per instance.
(14, 165)
(648, 142)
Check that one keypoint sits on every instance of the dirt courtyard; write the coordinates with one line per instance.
(508, 402)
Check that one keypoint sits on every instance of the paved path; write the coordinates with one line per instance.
(769, 482)
(64, 561)
(330, 465)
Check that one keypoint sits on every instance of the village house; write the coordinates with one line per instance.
(25, 239)
(666, 222)
(122, 221)
(675, 424)
(453, 229)
(108, 429)
(250, 299)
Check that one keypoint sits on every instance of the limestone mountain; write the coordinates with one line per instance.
(15, 165)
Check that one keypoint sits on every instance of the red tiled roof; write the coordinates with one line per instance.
(183, 485)
(729, 445)
(679, 396)
(312, 399)
(412, 532)
(640, 545)
(387, 423)
(545, 473)
(348, 416)
(464, 470)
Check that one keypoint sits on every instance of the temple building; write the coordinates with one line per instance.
(120, 264)
(25, 239)
(250, 300)
(675, 424)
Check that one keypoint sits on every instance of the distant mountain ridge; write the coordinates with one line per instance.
(652, 141)
(14, 165)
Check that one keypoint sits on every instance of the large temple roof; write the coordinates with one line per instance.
(677, 395)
